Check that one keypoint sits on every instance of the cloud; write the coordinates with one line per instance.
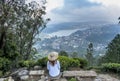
(107, 2)
(82, 10)
(64, 13)
(53, 4)
(110, 9)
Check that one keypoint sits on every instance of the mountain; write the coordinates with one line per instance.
(71, 26)
(98, 34)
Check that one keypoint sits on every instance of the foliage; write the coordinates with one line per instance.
(4, 64)
(113, 51)
(67, 62)
(89, 55)
(20, 25)
(27, 63)
(72, 79)
(119, 20)
(83, 62)
(63, 53)
(42, 62)
(1, 73)
(74, 54)
(111, 67)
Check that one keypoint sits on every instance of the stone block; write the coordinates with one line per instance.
(2, 79)
(36, 72)
(87, 74)
(25, 77)
(23, 72)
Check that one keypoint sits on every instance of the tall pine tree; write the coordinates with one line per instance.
(113, 51)
(89, 55)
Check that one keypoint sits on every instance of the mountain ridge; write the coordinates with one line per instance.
(99, 35)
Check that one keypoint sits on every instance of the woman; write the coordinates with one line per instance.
(53, 64)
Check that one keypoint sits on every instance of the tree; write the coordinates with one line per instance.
(74, 55)
(20, 25)
(63, 53)
(113, 51)
(89, 55)
(119, 20)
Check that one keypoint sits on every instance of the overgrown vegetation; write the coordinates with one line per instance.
(65, 62)
(27, 63)
(72, 79)
(89, 55)
(113, 51)
(110, 62)
(20, 25)
(111, 67)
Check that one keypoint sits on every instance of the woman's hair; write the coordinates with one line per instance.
(52, 62)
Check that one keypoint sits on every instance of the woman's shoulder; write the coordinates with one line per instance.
(57, 61)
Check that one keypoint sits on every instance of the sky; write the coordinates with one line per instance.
(61, 11)
(82, 10)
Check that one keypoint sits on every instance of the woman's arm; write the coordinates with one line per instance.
(58, 64)
(48, 67)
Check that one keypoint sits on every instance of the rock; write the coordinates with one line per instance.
(105, 77)
(3, 79)
(36, 72)
(63, 79)
(85, 79)
(25, 77)
(20, 73)
(98, 79)
(15, 72)
(87, 74)
(37, 67)
(10, 78)
(43, 78)
(23, 72)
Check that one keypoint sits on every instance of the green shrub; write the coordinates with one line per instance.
(1, 73)
(67, 62)
(27, 63)
(4, 64)
(63, 53)
(83, 62)
(111, 67)
(74, 63)
(42, 62)
(64, 62)
(72, 79)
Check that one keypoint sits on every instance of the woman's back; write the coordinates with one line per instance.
(54, 68)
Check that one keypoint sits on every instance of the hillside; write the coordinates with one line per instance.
(99, 35)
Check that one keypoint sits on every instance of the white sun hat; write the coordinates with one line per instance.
(52, 56)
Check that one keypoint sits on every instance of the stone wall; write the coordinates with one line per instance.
(37, 74)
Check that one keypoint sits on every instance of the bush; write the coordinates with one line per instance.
(42, 62)
(72, 79)
(63, 53)
(83, 62)
(64, 62)
(27, 63)
(67, 62)
(1, 73)
(4, 65)
(111, 67)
